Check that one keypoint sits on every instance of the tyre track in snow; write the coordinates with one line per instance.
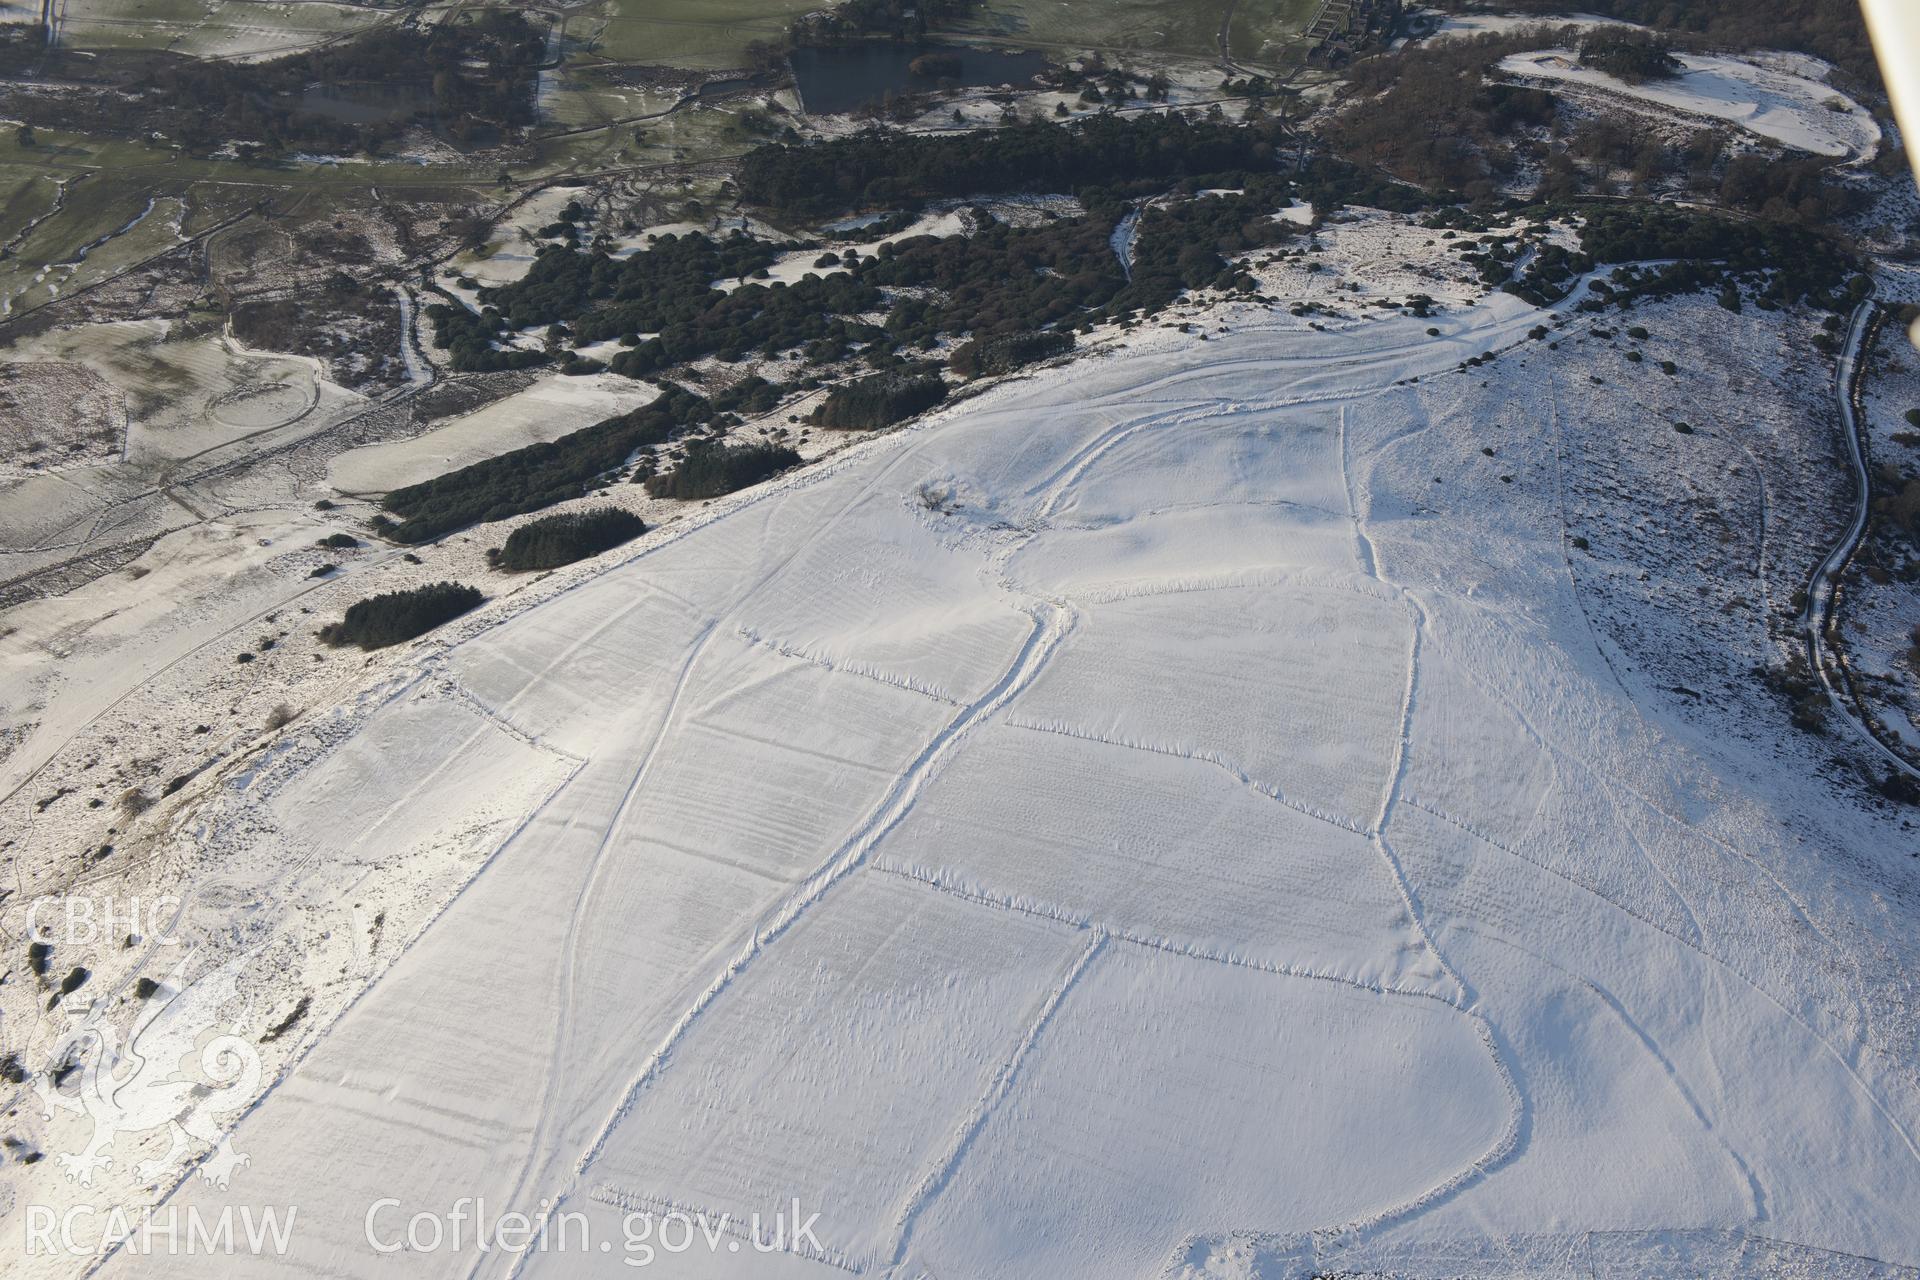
(1755, 1188)
(1052, 493)
(1106, 933)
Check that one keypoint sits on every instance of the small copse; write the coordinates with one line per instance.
(398, 616)
(552, 541)
(879, 401)
(711, 469)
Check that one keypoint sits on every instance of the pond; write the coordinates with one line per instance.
(846, 77)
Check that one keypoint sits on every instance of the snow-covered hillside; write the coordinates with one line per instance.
(1170, 815)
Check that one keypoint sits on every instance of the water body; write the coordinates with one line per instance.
(847, 77)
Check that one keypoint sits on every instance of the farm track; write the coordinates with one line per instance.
(1825, 594)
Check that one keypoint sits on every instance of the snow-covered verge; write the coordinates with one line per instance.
(1215, 807)
(1779, 97)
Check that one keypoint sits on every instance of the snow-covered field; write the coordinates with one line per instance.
(1172, 815)
(1779, 97)
(552, 407)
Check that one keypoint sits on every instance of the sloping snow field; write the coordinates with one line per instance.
(1098, 834)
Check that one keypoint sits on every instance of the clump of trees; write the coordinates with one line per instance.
(1782, 189)
(469, 340)
(879, 401)
(21, 47)
(642, 293)
(1633, 56)
(552, 541)
(754, 317)
(711, 469)
(1000, 279)
(936, 66)
(398, 616)
(986, 357)
(665, 291)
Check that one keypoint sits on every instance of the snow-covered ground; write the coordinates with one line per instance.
(552, 407)
(1779, 97)
(1183, 813)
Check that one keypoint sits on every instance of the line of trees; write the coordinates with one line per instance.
(539, 475)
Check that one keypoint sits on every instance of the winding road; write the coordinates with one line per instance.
(1820, 620)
